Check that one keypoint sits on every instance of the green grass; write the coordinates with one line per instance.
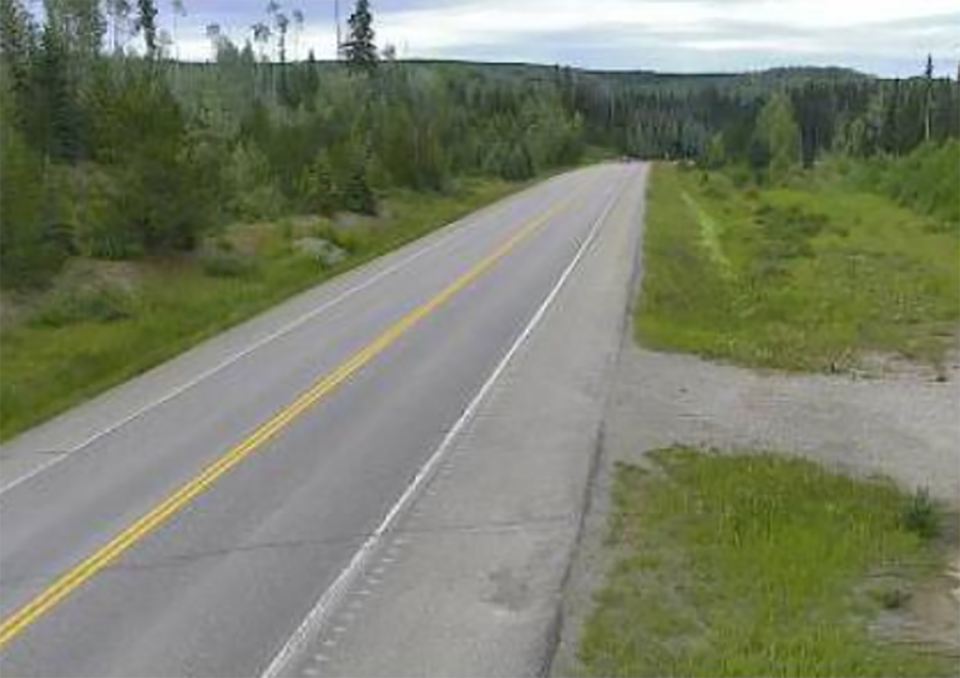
(78, 345)
(755, 565)
(805, 277)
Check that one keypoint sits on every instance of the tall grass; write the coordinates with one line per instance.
(811, 277)
(78, 345)
(754, 565)
(929, 180)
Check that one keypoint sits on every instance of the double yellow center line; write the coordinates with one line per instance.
(69, 581)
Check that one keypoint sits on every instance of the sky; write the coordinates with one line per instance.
(884, 37)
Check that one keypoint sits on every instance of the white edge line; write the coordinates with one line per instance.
(206, 374)
(338, 588)
(260, 343)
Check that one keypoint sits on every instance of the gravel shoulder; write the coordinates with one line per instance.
(901, 421)
(905, 425)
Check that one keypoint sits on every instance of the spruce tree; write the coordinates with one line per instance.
(310, 83)
(18, 45)
(360, 49)
(147, 22)
(58, 113)
(357, 195)
(928, 97)
(777, 129)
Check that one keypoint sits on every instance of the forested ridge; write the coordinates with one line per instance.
(112, 152)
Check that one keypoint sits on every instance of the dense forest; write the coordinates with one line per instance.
(111, 148)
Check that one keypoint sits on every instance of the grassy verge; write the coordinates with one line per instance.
(757, 565)
(806, 277)
(76, 345)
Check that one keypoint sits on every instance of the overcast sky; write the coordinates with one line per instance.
(887, 37)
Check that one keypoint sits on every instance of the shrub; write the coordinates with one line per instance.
(102, 231)
(317, 187)
(34, 240)
(926, 180)
(920, 514)
(250, 182)
(102, 303)
(161, 184)
(222, 263)
(787, 230)
(357, 196)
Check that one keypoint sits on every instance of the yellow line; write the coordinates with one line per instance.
(66, 583)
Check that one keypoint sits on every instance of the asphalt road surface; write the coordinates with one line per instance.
(382, 475)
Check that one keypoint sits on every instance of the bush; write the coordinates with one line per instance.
(102, 303)
(316, 186)
(920, 514)
(34, 240)
(352, 240)
(162, 191)
(32, 260)
(927, 180)
(251, 185)
(357, 196)
(511, 162)
(102, 231)
(222, 263)
(787, 230)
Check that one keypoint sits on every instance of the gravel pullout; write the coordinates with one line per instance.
(904, 425)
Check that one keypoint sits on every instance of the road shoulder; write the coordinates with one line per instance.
(471, 580)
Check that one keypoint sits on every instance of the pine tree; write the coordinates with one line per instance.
(147, 22)
(18, 44)
(928, 97)
(310, 83)
(58, 113)
(318, 189)
(360, 49)
(357, 195)
(777, 129)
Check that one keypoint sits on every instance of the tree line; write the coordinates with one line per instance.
(731, 118)
(111, 152)
(122, 154)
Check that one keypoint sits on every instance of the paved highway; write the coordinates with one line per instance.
(214, 515)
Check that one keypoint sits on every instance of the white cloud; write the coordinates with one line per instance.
(771, 31)
(778, 28)
(503, 21)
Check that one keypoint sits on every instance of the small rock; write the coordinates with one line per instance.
(322, 250)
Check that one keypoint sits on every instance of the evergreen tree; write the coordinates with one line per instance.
(357, 195)
(716, 154)
(777, 129)
(310, 82)
(59, 117)
(147, 23)
(34, 242)
(318, 188)
(928, 97)
(18, 49)
(360, 49)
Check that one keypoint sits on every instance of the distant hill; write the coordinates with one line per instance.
(748, 85)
